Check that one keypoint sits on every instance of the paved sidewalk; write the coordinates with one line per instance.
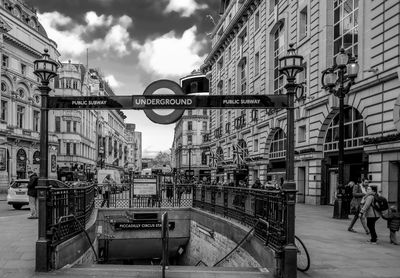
(335, 252)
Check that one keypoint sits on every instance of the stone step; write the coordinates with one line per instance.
(144, 271)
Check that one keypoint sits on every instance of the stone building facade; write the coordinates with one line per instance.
(22, 41)
(247, 42)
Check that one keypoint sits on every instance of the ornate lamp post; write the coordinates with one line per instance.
(290, 65)
(45, 69)
(338, 81)
(190, 160)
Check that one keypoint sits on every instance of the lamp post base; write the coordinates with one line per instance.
(339, 209)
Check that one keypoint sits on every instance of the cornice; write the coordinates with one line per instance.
(232, 30)
(22, 45)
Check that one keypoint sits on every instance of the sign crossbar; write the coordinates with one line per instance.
(140, 102)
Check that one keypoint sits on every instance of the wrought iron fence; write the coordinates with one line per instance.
(123, 196)
(247, 206)
(67, 211)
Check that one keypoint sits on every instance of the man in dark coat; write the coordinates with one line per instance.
(32, 193)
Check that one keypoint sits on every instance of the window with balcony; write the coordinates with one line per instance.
(20, 116)
(58, 123)
(36, 120)
(4, 110)
(189, 139)
(278, 145)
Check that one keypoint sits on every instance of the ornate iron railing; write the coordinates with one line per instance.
(168, 195)
(65, 208)
(247, 206)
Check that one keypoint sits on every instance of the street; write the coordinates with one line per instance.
(6, 210)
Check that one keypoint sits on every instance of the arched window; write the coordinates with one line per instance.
(354, 131)
(277, 148)
(279, 43)
(4, 87)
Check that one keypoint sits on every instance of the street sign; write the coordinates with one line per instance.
(179, 102)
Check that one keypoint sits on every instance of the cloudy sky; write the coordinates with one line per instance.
(133, 43)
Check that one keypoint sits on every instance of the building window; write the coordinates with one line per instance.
(354, 131)
(229, 53)
(68, 84)
(220, 65)
(75, 85)
(303, 79)
(190, 125)
(4, 110)
(23, 69)
(243, 77)
(189, 112)
(256, 21)
(68, 148)
(74, 126)
(220, 88)
(4, 61)
(58, 124)
(278, 145)
(4, 87)
(278, 50)
(255, 145)
(205, 112)
(189, 139)
(36, 120)
(204, 126)
(74, 148)
(303, 23)
(345, 30)
(21, 93)
(302, 134)
(20, 116)
(59, 147)
(257, 64)
(68, 126)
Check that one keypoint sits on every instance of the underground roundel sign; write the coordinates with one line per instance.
(176, 114)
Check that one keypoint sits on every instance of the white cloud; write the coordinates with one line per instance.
(70, 42)
(171, 56)
(185, 7)
(112, 81)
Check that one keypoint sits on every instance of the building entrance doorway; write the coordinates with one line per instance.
(301, 187)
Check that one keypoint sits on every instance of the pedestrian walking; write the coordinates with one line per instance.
(359, 191)
(106, 188)
(370, 212)
(347, 197)
(32, 193)
(393, 223)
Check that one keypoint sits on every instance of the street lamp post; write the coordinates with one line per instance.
(45, 69)
(190, 160)
(338, 81)
(290, 65)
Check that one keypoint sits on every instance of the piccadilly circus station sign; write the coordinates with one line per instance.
(179, 101)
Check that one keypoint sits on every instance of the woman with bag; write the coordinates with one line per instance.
(370, 212)
(359, 191)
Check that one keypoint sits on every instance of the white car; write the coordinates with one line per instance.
(17, 195)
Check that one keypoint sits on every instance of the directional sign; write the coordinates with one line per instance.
(169, 102)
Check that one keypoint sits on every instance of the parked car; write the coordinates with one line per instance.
(17, 194)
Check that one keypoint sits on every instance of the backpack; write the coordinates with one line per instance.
(380, 203)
